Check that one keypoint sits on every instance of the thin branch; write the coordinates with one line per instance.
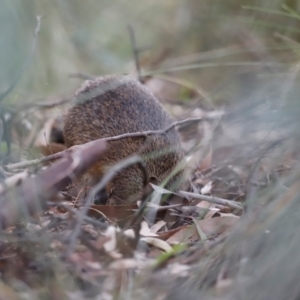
(215, 200)
(28, 61)
(135, 51)
(154, 132)
(25, 164)
(111, 139)
(165, 130)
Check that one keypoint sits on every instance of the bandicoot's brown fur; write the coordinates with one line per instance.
(114, 105)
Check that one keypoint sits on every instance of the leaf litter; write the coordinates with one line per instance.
(114, 248)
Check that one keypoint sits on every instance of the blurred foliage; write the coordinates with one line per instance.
(230, 51)
(91, 37)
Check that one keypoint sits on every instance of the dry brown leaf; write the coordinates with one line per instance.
(206, 162)
(50, 149)
(145, 230)
(124, 264)
(216, 226)
(202, 181)
(158, 243)
(187, 234)
(157, 226)
(206, 204)
(115, 214)
(228, 215)
(166, 234)
(43, 137)
(210, 227)
(211, 213)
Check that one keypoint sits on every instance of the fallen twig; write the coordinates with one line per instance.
(24, 164)
(215, 200)
(58, 155)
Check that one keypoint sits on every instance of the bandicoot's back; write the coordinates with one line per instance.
(114, 105)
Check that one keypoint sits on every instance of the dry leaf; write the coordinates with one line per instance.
(145, 230)
(111, 235)
(212, 212)
(123, 264)
(157, 226)
(14, 180)
(216, 226)
(115, 214)
(206, 162)
(166, 234)
(158, 243)
(202, 181)
(207, 188)
(202, 235)
(185, 235)
(43, 137)
(179, 269)
(210, 227)
(206, 204)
